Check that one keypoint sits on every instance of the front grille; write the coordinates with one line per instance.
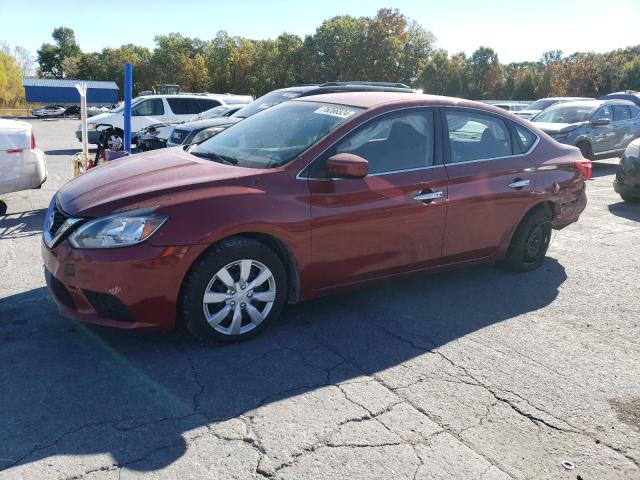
(178, 136)
(58, 219)
(108, 306)
(59, 291)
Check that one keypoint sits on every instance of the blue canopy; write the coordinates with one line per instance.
(47, 90)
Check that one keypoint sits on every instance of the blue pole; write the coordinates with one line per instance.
(128, 87)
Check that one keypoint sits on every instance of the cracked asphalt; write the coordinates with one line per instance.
(471, 374)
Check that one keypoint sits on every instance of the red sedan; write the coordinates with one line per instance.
(307, 198)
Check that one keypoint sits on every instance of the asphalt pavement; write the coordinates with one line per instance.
(471, 374)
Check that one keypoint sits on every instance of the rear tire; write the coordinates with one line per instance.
(586, 150)
(234, 291)
(530, 242)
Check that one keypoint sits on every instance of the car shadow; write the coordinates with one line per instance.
(3, 207)
(602, 169)
(64, 151)
(20, 224)
(628, 210)
(71, 389)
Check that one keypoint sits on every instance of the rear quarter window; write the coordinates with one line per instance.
(525, 136)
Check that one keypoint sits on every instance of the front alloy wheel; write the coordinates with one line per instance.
(233, 291)
(239, 297)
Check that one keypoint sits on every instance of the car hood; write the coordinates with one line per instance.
(153, 178)
(210, 122)
(101, 116)
(556, 127)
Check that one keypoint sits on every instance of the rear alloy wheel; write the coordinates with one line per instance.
(530, 242)
(115, 141)
(234, 291)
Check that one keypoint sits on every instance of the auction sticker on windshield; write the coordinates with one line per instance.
(340, 112)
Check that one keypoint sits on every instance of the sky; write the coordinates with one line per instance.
(516, 30)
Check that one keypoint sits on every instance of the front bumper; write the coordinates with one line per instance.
(130, 287)
(629, 188)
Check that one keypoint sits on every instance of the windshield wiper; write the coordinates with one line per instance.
(215, 157)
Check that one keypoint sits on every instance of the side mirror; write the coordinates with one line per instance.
(347, 165)
(600, 122)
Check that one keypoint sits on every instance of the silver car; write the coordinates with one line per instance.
(539, 105)
(599, 128)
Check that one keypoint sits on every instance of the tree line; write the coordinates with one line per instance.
(385, 47)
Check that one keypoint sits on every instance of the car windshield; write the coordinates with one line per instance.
(276, 136)
(541, 104)
(266, 101)
(564, 113)
(211, 113)
(120, 108)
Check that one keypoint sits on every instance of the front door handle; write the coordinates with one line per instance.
(519, 183)
(427, 196)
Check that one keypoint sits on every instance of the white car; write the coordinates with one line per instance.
(22, 165)
(152, 109)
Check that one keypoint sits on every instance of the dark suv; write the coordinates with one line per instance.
(198, 131)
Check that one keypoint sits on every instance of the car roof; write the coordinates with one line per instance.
(352, 86)
(375, 99)
(596, 103)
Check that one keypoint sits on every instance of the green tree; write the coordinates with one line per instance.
(52, 56)
(483, 72)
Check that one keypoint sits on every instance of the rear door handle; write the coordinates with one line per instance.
(518, 183)
(426, 196)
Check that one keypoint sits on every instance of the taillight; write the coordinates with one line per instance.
(584, 167)
(33, 140)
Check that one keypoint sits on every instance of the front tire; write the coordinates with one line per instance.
(630, 199)
(234, 291)
(586, 150)
(530, 242)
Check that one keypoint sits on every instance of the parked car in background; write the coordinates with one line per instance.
(308, 197)
(152, 109)
(155, 136)
(627, 181)
(199, 131)
(22, 165)
(49, 111)
(539, 105)
(511, 106)
(630, 95)
(599, 128)
(216, 112)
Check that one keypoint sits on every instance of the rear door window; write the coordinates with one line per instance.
(184, 106)
(206, 104)
(476, 136)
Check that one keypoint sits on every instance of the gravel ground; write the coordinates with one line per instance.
(471, 374)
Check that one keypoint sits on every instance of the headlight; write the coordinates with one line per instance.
(118, 230)
(560, 136)
(205, 134)
(91, 126)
